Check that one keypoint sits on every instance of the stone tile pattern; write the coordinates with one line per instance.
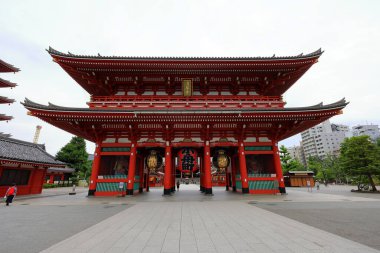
(221, 226)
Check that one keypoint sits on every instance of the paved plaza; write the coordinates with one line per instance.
(189, 221)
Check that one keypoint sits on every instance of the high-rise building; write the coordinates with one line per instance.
(371, 130)
(296, 152)
(324, 139)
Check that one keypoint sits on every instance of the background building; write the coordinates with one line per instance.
(324, 139)
(371, 130)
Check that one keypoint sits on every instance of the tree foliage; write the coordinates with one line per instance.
(75, 155)
(327, 169)
(287, 162)
(361, 157)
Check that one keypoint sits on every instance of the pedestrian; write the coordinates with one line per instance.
(308, 185)
(178, 183)
(10, 194)
(317, 184)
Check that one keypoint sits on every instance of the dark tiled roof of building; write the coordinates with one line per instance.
(5, 117)
(6, 83)
(316, 53)
(6, 67)
(17, 150)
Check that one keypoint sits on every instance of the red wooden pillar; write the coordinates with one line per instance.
(278, 168)
(233, 173)
(173, 175)
(201, 169)
(94, 171)
(207, 169)
(226, 179)
(168, 169)
(141, 167)
(243, 169)
(51, 178)
(132, 169)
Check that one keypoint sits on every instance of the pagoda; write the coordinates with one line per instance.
(217, 121)
(6, 67)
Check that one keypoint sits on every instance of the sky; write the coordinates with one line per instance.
(347, 31)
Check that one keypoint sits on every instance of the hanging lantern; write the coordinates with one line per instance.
(221, 161)
(187, 160)
(153, 161)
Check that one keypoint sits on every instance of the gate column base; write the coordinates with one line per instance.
(245, 190)
(208, 191)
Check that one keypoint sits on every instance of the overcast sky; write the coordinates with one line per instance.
(348, 32)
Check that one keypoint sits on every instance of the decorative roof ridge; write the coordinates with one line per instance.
(7, 82)
(9, 66)
(28, 103)
(53, 51)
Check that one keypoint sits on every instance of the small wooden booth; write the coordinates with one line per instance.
(299, 178)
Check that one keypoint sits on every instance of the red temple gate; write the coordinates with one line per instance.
(170, 104)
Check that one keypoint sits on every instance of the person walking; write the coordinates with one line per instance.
(317, 184)
(178, 185)
(10, 194)
(308, 185)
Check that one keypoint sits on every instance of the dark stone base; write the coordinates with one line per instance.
(173, 189)
(227, 188)
(91, 192)
(129, 191)
(245, 190)
(147, 189)
(234, 188)
(167, 191)
(140, 190)
(208, 191)
(202, 189)
(282, 190)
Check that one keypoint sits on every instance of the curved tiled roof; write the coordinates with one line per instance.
(316, 53)
(17, 150)
(51, 107)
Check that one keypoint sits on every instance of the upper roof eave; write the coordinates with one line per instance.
(51, 107)
(315, 54)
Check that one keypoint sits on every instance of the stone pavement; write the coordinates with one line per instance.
(191, 222)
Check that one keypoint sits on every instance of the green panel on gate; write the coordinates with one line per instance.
(258, 148)
(261, 185)
(109, 187)
(116, 149)
(238, 184)
(259, 175)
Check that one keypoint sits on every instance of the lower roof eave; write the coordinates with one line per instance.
(3, 160)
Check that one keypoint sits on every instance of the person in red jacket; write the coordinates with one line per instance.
(10, 194)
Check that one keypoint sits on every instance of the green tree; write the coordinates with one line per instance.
(287, 162)
(75, 155)
(360, 157)
(327, 169)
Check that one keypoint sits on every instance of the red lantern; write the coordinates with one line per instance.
(187, 160)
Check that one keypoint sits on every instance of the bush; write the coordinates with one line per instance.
(48, 186)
